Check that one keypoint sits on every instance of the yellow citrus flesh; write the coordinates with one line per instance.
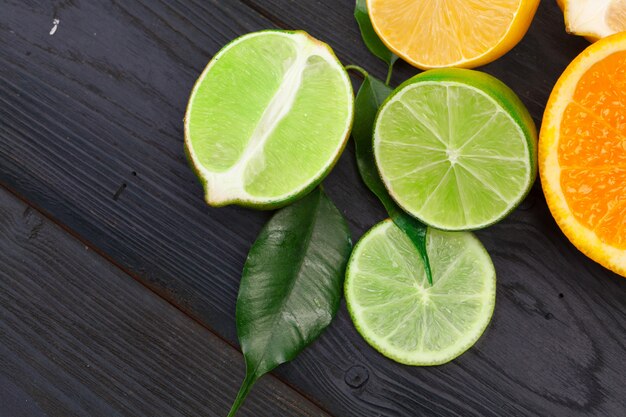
(582, 152)
(451, 33)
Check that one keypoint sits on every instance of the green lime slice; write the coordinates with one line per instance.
(399, 314)
(456, 148)
(267, 119)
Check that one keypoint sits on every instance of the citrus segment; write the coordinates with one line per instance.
(593, 129)
(455, 148)
(462, 33)
(595, 197)
(583, 152)
(268, 118)
(591, 141)
(396, 311)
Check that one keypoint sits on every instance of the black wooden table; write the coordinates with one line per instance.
(118, 284)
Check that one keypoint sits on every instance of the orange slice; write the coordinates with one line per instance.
(582, 152)
(451, 33)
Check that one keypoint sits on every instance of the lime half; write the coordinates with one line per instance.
(399, 314)
(267, 119)
(456, 148)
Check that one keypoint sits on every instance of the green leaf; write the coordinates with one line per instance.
(371, 39)
(369, 98)
(291, 285)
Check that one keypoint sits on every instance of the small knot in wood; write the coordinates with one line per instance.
(356, 376)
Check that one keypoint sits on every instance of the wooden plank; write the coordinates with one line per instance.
(83, 113)
(81, 338)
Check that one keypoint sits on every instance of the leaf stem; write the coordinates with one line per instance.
(243, 392)
(368, 101)
(389, 72)
(357, 69)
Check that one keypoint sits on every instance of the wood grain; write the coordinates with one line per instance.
(81, 338)
(95, 112)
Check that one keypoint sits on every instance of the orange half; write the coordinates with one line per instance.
(451, 33)
(582, 152)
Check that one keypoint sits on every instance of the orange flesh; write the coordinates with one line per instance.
(592, 150)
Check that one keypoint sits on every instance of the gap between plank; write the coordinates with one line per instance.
(264, 13)
(133, 276)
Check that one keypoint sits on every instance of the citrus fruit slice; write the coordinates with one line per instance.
(582, 152)
(594, 19)
(267, 119)
(399, 314)
(451, 33)
(455, 148)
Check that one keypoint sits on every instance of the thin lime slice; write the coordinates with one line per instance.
(399, 314)
(456, 148)
(268, 118)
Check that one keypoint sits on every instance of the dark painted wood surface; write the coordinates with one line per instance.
(78, 337)
(91, 133)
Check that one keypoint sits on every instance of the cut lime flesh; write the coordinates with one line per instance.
(399, 314)
(268, 118)
(456, 148)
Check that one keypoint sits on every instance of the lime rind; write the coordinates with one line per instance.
(395, 310)
(432, 191)
(234, 183)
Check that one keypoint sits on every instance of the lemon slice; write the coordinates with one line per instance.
(451, 33)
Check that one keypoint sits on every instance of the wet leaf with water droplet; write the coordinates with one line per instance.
(291, 285)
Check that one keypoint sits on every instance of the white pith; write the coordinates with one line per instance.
(589, 17)
(453, 156)
(229, 186)
(419, 356)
